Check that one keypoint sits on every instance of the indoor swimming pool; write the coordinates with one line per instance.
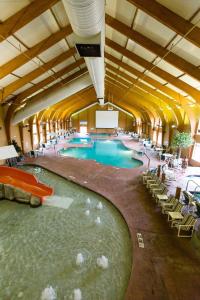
(107, 152)
(80, 140)
(39, 246)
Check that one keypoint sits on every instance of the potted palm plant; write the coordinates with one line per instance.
(181, 140)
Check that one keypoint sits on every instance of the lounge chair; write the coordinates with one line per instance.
(161, 190)
(177, 207)
(146, 176)
(186, 225)
(171, 204)
(160, 202)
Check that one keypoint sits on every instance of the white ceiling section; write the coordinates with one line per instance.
(9, 8)
(9, 49)
(140, 51)
(153, 29)
(55, 18)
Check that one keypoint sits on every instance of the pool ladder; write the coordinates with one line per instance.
(197, 185)
(135, 155)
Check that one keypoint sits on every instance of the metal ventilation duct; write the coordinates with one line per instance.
(87, 18)
(40, 102)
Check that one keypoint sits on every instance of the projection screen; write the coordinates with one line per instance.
(107, 119)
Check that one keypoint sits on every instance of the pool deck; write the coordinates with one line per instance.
(167, 267)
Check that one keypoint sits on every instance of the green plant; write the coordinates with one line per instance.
(181, 140)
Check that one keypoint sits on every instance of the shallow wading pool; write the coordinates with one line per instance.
(38, 247)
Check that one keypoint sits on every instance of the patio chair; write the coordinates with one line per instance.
(169, 205)
(160, 202)
(156, 186)
(146, 176)
(161, 190)
(155, 181)
(187, 225)
(178, 208)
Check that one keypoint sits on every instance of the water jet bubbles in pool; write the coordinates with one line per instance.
(100, 205)
(20, 295)
(79, 259)
(98, 220)
(88, 201)
(49, 293)
(77, 294)
(87, 212)
(102, 262)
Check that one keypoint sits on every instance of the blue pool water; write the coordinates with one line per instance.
(106, 152)
(82, 140)
(196, 195)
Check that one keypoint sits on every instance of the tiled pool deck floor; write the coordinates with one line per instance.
(167, 267)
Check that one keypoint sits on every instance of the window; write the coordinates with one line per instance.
(83, 129)
(196, 152)
(35, 135)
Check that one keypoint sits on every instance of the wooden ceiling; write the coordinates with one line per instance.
(152, 57)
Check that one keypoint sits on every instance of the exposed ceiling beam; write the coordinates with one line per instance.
(122, 81)
(159, 72)
(23, 17)
(147, 79)
(9, 89)
(117, 94)
(138, 100)
(47, 81)
(169, 19)
(150, 45)
(149, 90)
(24, 57)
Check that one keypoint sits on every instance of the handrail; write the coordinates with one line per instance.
(149, 160)
(197, 185)
(143, 153)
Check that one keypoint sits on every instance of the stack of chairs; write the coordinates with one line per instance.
(185, 226)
